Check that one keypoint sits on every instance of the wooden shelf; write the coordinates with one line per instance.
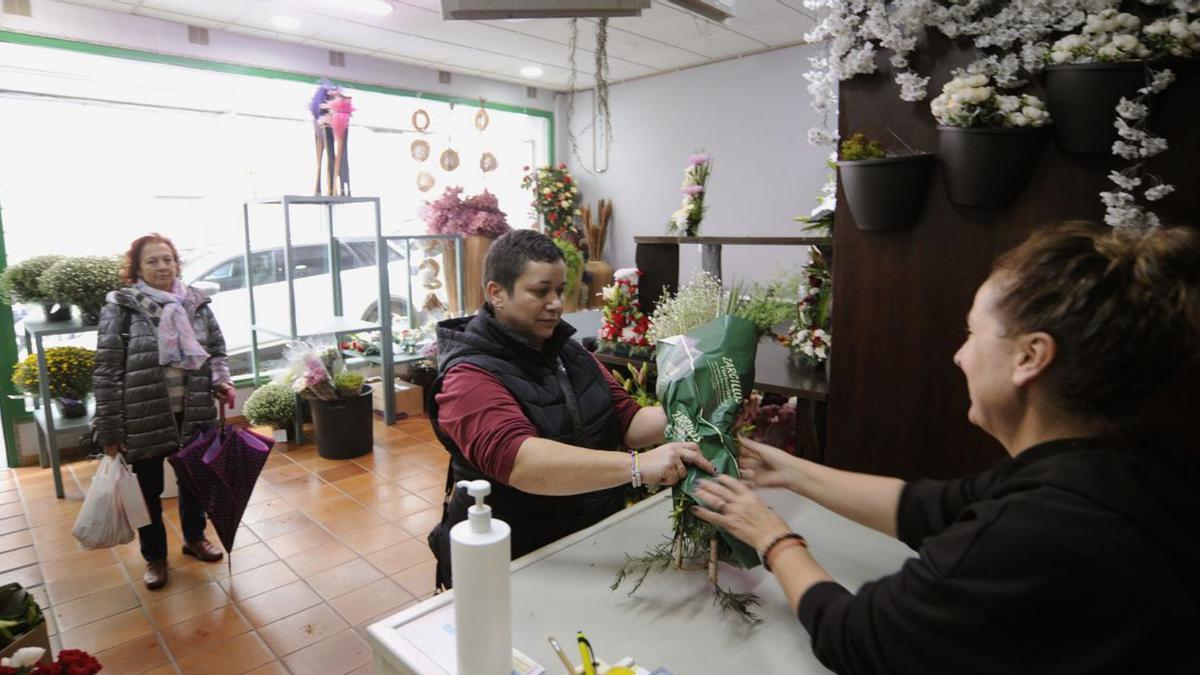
(738, 241)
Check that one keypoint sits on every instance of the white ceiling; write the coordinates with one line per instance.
(663, 39)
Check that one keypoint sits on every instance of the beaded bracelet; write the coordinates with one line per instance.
(766, 554)
(635, 473)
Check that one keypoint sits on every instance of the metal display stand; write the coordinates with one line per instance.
(337, 324)
(48, 419)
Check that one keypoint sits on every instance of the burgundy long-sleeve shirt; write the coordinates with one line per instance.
(487, 424)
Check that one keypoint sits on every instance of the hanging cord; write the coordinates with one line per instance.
(599, 99)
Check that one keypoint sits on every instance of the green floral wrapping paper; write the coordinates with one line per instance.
(703, 377)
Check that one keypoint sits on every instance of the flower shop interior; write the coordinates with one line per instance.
(770, 156)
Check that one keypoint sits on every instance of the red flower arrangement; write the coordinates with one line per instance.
(555, 196)
(624, 326)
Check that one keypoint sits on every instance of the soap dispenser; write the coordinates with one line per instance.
(480, 558)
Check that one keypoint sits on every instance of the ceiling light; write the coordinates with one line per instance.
(532, 71)
(376, 7)
(478, 10)
(716, 10)
(283, 22)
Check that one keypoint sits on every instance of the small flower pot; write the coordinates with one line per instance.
(886, 194)
(89, 316)
(56, 311)
(988, 167)
(1082, 98)
(344, 428)
(71, 407)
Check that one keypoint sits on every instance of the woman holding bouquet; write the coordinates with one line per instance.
(160, 361)
(519, 403)
(1079, 552)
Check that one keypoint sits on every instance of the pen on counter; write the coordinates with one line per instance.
(585, 651)
(562, 657)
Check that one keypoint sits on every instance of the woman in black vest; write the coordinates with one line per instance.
(521, 404)
(1077, 554)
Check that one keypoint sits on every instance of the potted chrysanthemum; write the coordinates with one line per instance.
(70, 377)
(885, 191)
(22, 282)
(274, 405)
(84, 282)
(989, 143)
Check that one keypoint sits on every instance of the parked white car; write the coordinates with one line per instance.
(222, 272)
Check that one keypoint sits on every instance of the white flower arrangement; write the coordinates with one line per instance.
(971, 101)
(1176, 35)
(1136, 144)
(1109, 35)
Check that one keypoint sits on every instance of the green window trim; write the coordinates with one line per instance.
(13, 409)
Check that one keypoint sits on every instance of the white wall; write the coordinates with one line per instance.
(87, 24)
(751, 114)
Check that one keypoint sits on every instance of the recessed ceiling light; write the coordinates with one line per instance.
(532, 71)
(283, 22)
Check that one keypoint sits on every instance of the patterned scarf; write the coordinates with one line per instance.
(177, 345)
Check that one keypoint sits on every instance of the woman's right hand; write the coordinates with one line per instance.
(112, 450)
(765, 465)
(664, 465)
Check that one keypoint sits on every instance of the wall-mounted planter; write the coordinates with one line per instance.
(886, 194)
(988, 167)
(1082, 98)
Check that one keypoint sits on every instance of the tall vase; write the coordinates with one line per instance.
(475, 249)
(602, 275)
(450, 268)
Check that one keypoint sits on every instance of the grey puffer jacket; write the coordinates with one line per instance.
(132, 405)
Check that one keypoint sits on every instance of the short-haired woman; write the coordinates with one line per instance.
(1076, 554)
(160, 361)
(521, 404)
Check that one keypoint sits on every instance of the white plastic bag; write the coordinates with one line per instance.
(102, 522)
(133, 503)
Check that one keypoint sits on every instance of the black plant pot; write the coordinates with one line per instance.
(89, 316)
(344, 428)
(56, 311)
(1082, 98)
(886, 194)
(988, 167)
(71, 407)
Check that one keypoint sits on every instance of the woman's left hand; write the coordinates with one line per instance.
(226, 394)
(734, 507)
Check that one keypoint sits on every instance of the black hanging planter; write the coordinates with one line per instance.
(988, 167)
(56, 311)
(344, 427)
(1082, 98)
(886, 194)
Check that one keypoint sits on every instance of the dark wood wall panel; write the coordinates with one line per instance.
(897, 403)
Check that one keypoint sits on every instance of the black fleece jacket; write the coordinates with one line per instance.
(1076, 556)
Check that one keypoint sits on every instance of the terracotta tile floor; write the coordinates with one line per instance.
(325, 549)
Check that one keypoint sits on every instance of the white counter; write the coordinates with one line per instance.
(669, 622)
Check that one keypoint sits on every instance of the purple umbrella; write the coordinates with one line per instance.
(220, 467)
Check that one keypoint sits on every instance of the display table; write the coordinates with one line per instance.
(670, 621)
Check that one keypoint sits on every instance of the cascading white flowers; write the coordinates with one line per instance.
(1020, 31)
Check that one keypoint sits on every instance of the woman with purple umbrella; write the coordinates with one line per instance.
(160, 361)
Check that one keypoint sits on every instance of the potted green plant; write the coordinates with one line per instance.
(275, 405)
(22, 282)
(574, 259)
(988, 143)
(885, 191)
(84, 282)
(70, 371)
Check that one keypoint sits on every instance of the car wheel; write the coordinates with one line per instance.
(398, 308)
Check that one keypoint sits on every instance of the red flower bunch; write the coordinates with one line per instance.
(555, 196)
(624, 326)
(70, 662)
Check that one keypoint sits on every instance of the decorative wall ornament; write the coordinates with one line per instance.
(481, 117)
(425, 181)
(448, 160)
(488, 162)
(419, 150)
(420, 120)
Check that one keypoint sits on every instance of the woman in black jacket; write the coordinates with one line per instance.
(160, 360)
(1079, 552)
